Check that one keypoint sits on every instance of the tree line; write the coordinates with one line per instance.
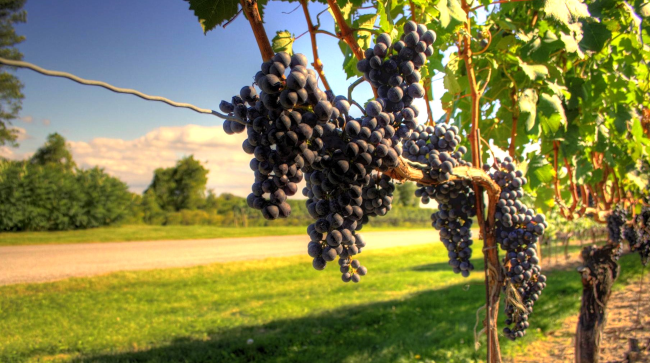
(50, 192)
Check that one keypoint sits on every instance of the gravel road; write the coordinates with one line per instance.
(40, 263)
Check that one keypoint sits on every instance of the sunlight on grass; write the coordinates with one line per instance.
(409, 304)
(156, 233)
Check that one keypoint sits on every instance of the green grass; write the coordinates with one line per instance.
(409, 305)
(154, 233)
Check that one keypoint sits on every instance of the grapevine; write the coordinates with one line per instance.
(641, 242)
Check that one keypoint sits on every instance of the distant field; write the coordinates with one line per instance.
(154, 233)
(410, 308)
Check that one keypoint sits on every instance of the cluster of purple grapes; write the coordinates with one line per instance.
(394, 70)
(283, 138)
(518, 229)
(642, 234)
(293, 128)
(434, 146)
(616, 224)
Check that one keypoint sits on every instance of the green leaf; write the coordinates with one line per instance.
(566, 11)
(213, 13)
(535, 71)
(528, 107)
(623, 116)
(384, 18)
(644, 10)
(366, 21)
(545, 199)
(451, 13)
(594, 37)
(551, 113)
(571, 44)
(283, 42)
(539, 49)
(596, 8)
(578, 91)
(450, 81)
(539, 171)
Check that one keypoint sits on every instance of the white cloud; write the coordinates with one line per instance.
(46, 122)
(135, 160)
(27, 119)
(22, 134)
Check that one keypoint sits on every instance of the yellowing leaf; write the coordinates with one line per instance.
(283, 42)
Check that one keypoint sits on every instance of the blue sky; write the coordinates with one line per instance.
(157, 47)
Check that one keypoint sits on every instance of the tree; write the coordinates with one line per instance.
(180, 187)
(11, 12)
(55, 151)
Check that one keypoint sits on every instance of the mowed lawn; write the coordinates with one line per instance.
(409, 308)
(157, 233)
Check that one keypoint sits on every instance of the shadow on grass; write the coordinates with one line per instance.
(435, 324)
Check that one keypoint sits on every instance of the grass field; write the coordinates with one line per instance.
(410, 308)
(153, 233)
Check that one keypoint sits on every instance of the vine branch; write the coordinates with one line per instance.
(254, 18)
(318, 65)
(346, 32)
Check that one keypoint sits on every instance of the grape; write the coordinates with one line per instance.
(518, 229)
(615, 224)
(641, 235)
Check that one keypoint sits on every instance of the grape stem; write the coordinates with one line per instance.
(88, 82)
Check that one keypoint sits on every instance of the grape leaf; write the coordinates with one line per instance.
(283, 42)
(539, 49)
(539, 171)
(450, 81)
(384, 18)
(545, 199)
(566, 11)
(528, 107)
(595, 35)
(551, 113)
(213, 13)
(571, 45)
(366, 21)
(623, 116)
(578, 91)
(451, 13)
(644, 10)
(535, 71)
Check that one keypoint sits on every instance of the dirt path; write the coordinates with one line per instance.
(628, 317)
(20, 264)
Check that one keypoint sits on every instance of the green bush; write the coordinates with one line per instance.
(49, 197)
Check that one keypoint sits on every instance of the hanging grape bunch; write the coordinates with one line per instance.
(616, 224)
(518, 229)
(296, 131)
(616, 228)
(642, 229)
(437, 148)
